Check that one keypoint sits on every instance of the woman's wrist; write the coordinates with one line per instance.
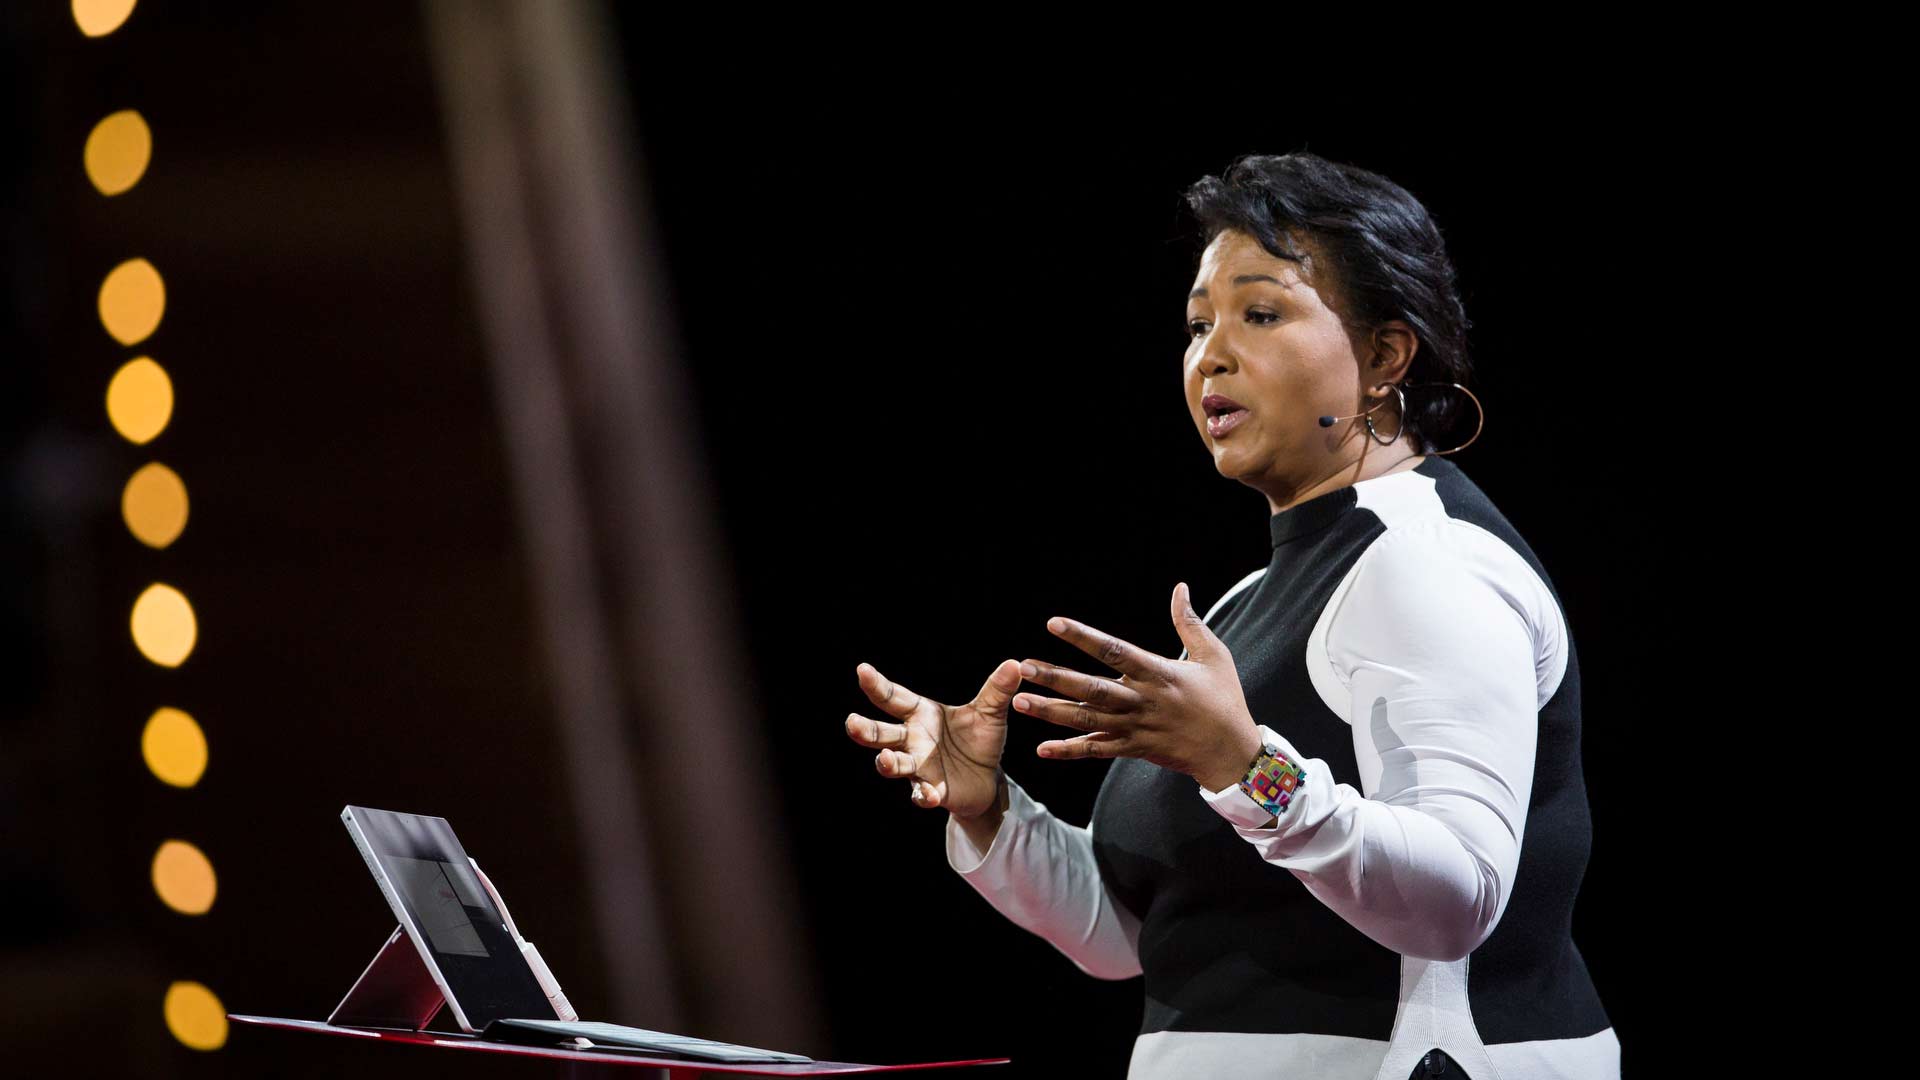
(982, 829)
(1232, 765)
(1002, 799)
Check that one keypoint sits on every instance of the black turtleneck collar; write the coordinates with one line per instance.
(1306, 518)
(1311, 516)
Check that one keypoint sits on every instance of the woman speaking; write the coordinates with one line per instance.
(1343, 831)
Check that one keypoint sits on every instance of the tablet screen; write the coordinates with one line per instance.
(456, 920)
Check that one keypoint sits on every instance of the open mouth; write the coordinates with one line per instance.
(1223, 414)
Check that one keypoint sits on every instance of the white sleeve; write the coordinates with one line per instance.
(1039, 872)
(1448, 644)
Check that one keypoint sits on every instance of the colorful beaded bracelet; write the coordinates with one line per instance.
(1273, 779)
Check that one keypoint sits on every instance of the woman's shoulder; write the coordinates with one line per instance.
(1444, 590)
(1435, 545)
(1444, 572)
(1440, 502)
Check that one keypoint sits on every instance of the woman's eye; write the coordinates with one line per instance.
(1196, 327)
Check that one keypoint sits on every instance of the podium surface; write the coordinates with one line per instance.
(590, 1062)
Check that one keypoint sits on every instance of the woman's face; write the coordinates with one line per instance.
(1266, 358)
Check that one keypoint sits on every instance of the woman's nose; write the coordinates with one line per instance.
(1215, 357)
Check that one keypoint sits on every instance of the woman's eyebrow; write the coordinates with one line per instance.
(1241, 280)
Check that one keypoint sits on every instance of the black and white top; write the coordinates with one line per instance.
(1406, 647)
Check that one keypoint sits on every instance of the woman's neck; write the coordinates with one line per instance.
(1373, 461)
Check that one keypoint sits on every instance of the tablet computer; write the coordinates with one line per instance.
(460, 932)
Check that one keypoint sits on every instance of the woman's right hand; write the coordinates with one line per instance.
(950, 753)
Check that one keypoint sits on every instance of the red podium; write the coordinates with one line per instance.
(396, 997)
(594, 1062)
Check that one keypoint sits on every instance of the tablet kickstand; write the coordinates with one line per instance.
(396, 990)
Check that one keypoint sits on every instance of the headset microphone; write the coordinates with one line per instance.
(1328, 421)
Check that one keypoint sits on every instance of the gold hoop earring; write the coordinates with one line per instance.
(1403, 420)
(1476, 405)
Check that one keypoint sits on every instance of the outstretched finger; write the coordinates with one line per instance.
(895, 763)
(1108, 694)
(874, 733)
(1100, 744)
(1078, 715)
(1117, 653)
(998, 689)
(897, 700)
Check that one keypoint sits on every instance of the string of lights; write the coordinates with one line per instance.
(153, 503)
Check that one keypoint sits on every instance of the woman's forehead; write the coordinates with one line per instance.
(1233, 258)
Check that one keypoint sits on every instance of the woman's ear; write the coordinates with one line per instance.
(1394, 346)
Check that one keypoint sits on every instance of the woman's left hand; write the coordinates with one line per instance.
(1187, 715)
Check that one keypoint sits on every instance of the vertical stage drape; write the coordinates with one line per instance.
(694, 898)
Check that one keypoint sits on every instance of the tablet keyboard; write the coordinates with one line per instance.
(641, 1039)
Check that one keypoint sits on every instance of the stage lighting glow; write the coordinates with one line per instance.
(132, 300)
(195, 1016)
(140, 400)
(163, 625)
(98, 18)
(154, 504)
(175, 747)
(117, 152)
(183, 876)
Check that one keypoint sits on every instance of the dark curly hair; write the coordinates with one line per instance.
(1384, 253)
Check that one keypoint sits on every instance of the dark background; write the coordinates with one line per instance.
(933, 319)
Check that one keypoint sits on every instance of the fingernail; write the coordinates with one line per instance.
(1056, 625)
(1028, 670)
(1020, 703)
(1044, 752)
